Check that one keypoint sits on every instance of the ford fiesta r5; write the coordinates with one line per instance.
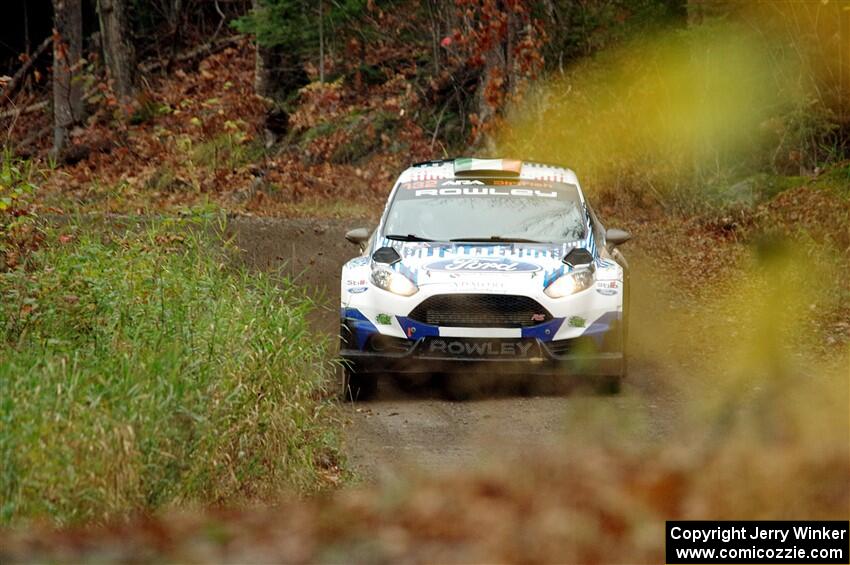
(485, 261)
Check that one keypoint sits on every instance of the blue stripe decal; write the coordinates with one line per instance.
(415, 330)
(361, 325)
(601, 326)
(545, 331)
(406, 271)
(550, 276)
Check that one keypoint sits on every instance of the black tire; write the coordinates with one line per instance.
(355, 386)
(609, 385)
(358, 386)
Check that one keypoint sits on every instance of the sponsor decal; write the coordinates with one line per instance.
(413, 185)
(473, 164)
(486, 191)
(357, 289)
(350, 282)
(384, 319)
(358, 262)
(478, 284)
(461, 182)
(577, 322)
(482, 265)
(528, 183)
(608, 288)
(480, 348)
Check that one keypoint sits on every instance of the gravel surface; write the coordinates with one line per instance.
(416, 424)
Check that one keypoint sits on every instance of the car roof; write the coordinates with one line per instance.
(466, 168)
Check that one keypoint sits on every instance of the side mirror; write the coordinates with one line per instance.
(358, 236)
(615, 237)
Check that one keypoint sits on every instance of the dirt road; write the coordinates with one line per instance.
(418, 425)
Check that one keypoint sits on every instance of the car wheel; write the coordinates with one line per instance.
(358, 386)
(609, 385)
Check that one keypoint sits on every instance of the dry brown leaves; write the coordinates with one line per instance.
(200, 139)
(592, 507)
(821, 214)
(702, 256)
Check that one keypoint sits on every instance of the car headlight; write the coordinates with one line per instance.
(394, 282)
(571, 283)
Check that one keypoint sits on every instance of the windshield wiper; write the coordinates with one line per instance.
(496, 238)
(408, 237)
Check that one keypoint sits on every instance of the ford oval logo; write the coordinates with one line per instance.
(482, 265)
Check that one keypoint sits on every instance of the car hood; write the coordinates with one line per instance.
(480, 266)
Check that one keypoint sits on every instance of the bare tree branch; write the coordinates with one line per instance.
(18, 77)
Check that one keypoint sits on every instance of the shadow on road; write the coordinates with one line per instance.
(471, 386)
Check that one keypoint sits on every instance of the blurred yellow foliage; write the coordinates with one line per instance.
(673, 112)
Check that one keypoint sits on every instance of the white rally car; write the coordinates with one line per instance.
(485, 261)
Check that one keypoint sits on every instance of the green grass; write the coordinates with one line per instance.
(228, 151)
(836, 179)
(144, 369)
(362, 135)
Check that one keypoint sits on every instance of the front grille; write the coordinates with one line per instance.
(480, 311)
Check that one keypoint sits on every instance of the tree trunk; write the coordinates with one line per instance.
(263, 66)
(321, 42)
(27, 44)
(175, 18)
(492, 72)
(67, 52)
(279, 70)
(117, 47)
(500, 74)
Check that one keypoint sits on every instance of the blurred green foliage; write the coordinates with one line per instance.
(294, 24)
(143, 369)
(579, 29)
(691, 116)
(17, 180)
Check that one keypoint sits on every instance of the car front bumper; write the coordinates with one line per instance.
(432, 355)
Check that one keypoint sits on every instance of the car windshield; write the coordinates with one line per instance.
(500, 210)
